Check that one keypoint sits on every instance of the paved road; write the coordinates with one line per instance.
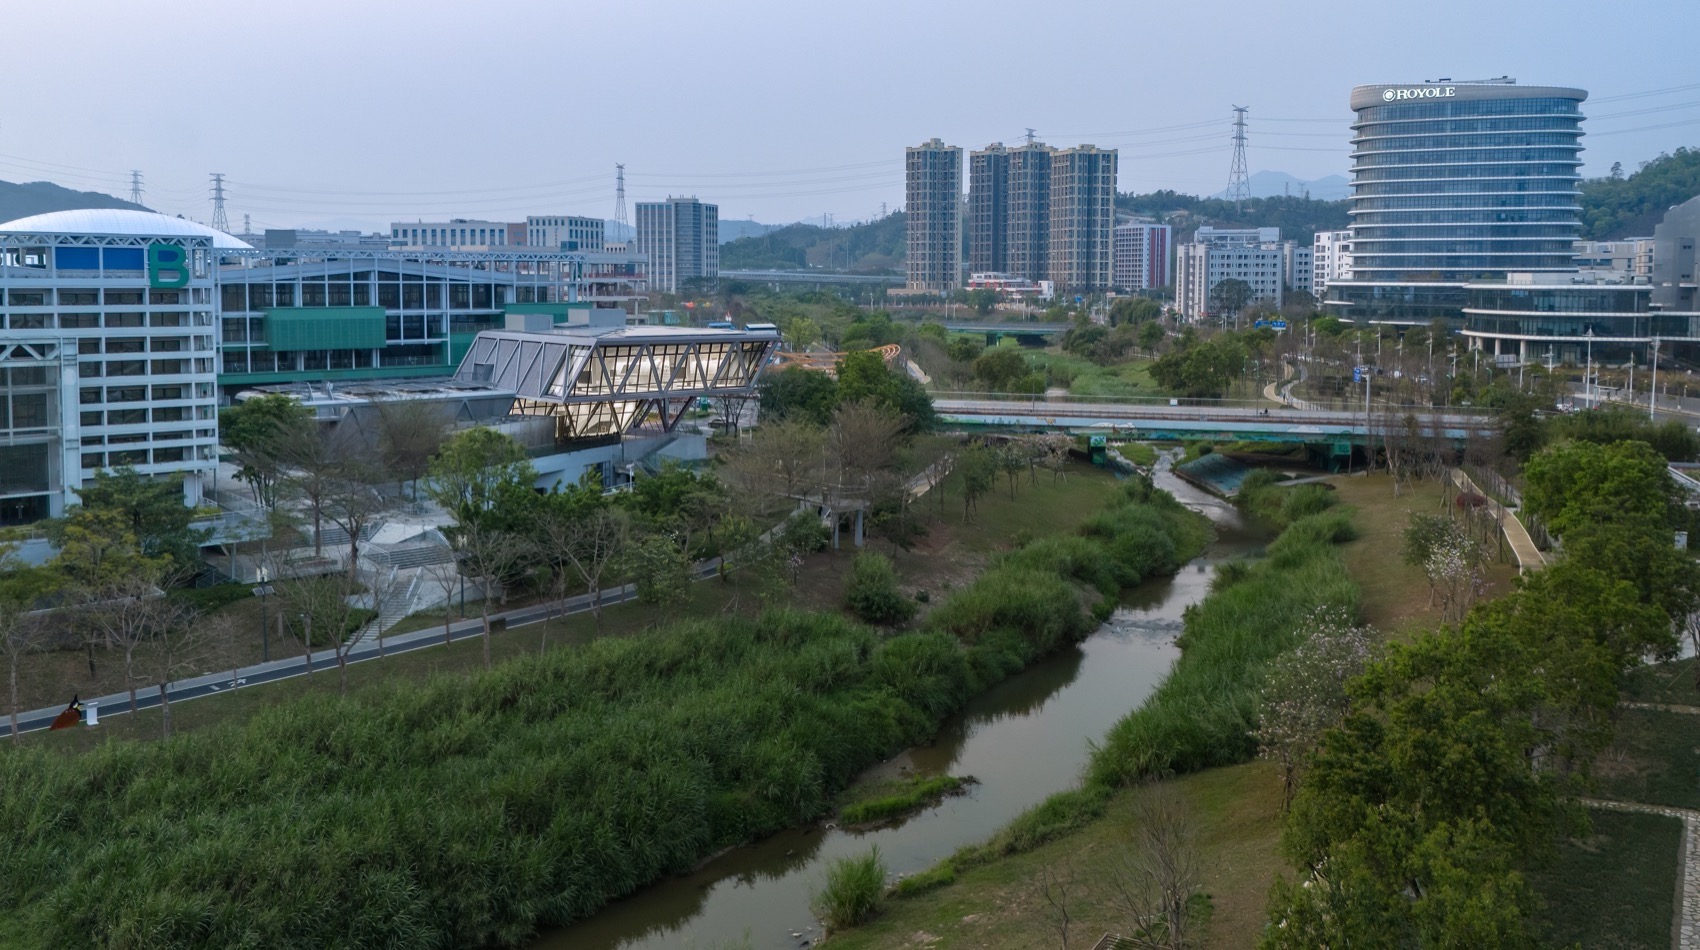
(211, 684)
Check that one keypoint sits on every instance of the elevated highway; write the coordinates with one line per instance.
(1218, 421)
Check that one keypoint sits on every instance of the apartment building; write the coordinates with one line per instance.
(932, 194)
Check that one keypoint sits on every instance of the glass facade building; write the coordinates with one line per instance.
(1457, 182)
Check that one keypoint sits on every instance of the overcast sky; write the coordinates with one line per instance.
(359, 112)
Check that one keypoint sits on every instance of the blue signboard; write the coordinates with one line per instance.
(1278, 324)
(1357, 374)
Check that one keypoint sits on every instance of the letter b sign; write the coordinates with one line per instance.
(168, 266)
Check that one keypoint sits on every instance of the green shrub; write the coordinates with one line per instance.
(1305, 500)
(919, 793)
(854, 890)
(931, 879)
(208, 599)
(872, 593)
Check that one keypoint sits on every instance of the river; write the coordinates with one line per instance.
(1024, 739)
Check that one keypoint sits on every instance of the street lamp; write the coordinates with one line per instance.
(263, 592)
(1653, 391)
(1588, 374)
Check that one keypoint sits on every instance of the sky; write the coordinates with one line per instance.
(356, 113)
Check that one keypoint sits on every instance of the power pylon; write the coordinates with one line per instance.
(135, 187)
(219, 221)
(1239, 181)
(620, 201)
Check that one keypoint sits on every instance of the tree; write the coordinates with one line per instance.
(315, 458)
(128, 609)
(1000, 367)
(21, 630)
(410, 433)
(1449, 557)
(798, 393)
(353, 502)
(1304, 691)
(256, 430)
(321, 608)
(476, 470)
(659, 568)
(1151, 883)
(982, 300)
(1150, 335)
(181, 644)
(490, 553)
(680, 502)
(583, 536)
(781, 461)
(977, 468)
(1134, 310)
(864, 440)
(864, 377)
(1229, 297)
(152, 510)
(964, 349)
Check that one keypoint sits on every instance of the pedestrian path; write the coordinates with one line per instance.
(1685, 930)
(1529, 557)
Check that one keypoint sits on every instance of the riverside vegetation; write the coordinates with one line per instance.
(471, 811)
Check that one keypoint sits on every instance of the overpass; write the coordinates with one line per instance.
(807, 276)
(1176, 420)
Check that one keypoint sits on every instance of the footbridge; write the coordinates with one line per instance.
(1219, 421)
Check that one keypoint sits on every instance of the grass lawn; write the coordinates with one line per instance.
(1086, 378)
(1654, 758)
(950, 554)
(1395, 594)
(1235, 814)
(1613, 890)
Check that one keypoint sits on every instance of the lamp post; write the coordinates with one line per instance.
(1588, 373)
(263, 592)
(1653, 390)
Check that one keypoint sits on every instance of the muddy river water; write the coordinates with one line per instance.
(1024, 739)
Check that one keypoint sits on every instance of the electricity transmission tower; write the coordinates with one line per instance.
(135, 187)
(620, 201)
(1239, 182)
(219, 221)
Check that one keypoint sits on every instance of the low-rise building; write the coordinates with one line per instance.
(1331, 260)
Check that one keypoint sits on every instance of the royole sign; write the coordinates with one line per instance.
(1418, 92)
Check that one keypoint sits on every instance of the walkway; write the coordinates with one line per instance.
(1529, 557)
(1685, 929)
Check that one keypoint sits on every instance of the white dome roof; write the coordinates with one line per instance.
(120, 221)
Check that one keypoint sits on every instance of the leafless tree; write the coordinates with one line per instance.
(586, 545)
(488, 554)
(126, 611)
(446, 574)
(1152, 882)
(352, 501)
(863, 439)
(21, 633)
(314, 459)
(782, 460)
(322, 604)
(409, 433)
(1052, 887)
(386, 589)
(182, 643)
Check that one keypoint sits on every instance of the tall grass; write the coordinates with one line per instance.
(469, 811)
(853, 891)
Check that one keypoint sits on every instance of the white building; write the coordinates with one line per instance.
(456, 232)
(1626, 259)
(680, 237)
(1331, 255)
(1199, 267)
(108, 356)
(565, 232)
(1141, 255)
(1229, 236)
(1298, 266)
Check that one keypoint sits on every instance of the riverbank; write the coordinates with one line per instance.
(532, 794)
(1195, 725)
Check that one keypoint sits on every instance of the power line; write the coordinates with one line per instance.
(1649, 92)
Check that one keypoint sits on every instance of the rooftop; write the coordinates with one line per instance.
(122, 222)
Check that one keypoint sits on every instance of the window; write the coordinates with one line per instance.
(167, 392)
(165, 319)
(123, 320)
(170, 414)
(21, 298)
(172, 454)
(88, 345)
(89, 397)
(123, 297)
(126, 345)
(28, 321)
(127, 394)
(94, 460)
(91, 418)
(79, 321)
(164, 297)
(78, 298)
(126, 367)
(127, 417)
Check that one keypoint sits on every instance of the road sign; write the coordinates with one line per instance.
(1278, 324)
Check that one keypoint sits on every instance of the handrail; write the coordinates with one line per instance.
(1042, 399)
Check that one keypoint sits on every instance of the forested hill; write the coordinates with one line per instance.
(863, 248)
(40, 197)
(1617, 206)
(1298, 218)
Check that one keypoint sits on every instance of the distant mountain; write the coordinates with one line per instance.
(1268, 184)
(875, 247)
(40, 197)
(731, 230)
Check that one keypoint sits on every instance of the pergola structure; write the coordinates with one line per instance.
(600, 383)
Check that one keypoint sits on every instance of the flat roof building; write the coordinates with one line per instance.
(454, 233)
(1083, 217)
(680, 240)
(1456, 182)
(1141, 255)
(107, 355)
(932, 204)
(566, 232)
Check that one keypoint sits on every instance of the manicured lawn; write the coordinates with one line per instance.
(1614, 889)
(1654, 758)
(1235, 813)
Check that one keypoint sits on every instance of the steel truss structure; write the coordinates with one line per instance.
(599, 385)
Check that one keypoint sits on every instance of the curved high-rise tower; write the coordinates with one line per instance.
(1453, 182)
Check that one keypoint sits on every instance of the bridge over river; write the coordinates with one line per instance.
(1215, 421)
